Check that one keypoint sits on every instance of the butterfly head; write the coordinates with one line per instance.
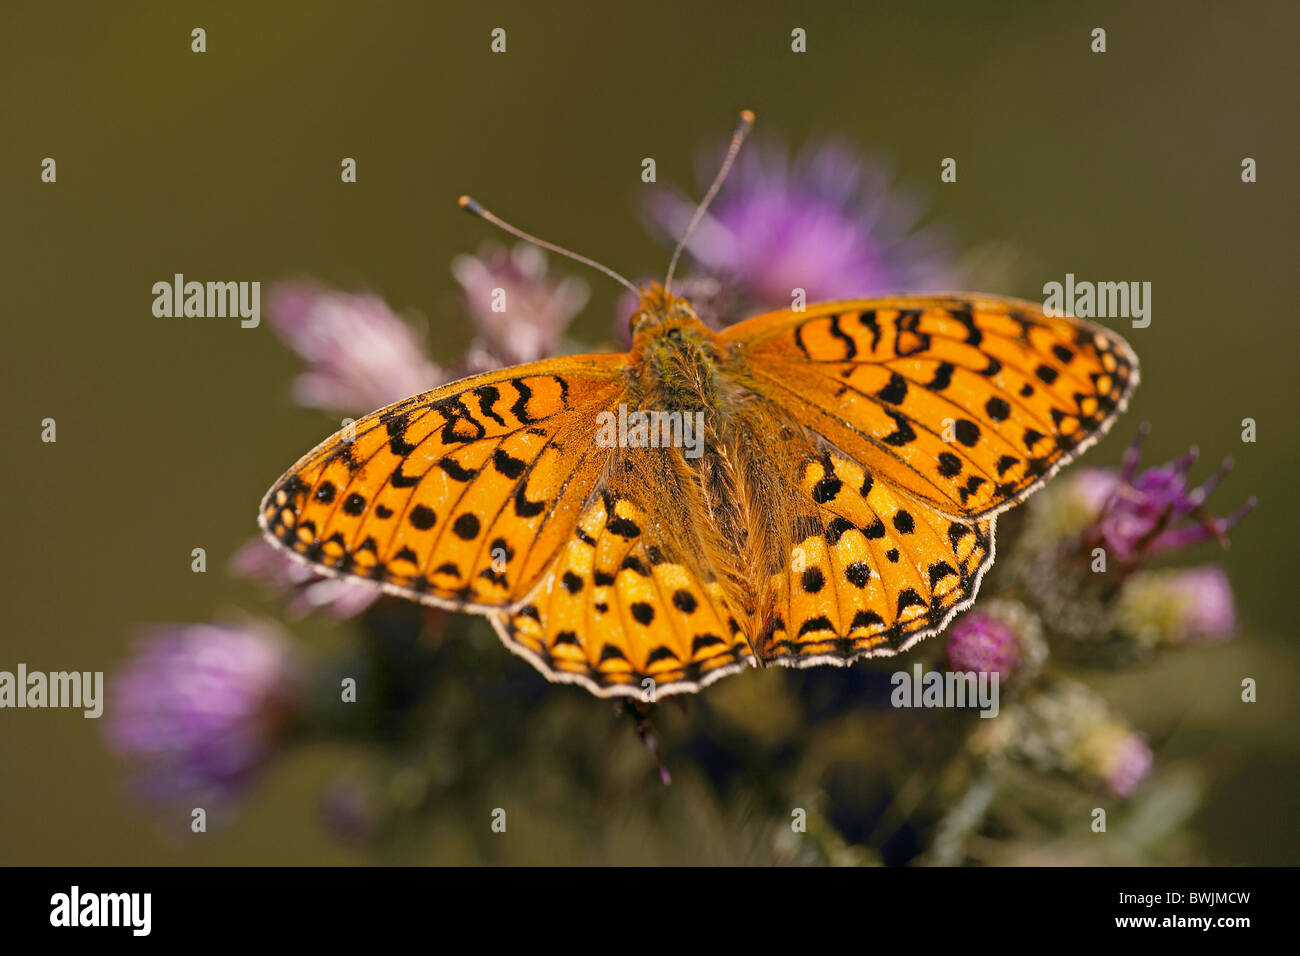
(658, 308)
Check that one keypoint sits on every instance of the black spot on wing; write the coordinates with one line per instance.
(868, 321)
(997, 409)
(399, 479)
(507, 465)
(659, 654)
(396, 428)
(866, 619)
(623, 527)
(895, 392)
(850, 346)
(520, 408)
(836, 529)
(702, 641)
(940, 570)
(815, 624)
(973, 334)
(967, 432)
(488, 396)
(908, 597)
(466, 526)
(828, 486)
(422, 517)
(972, 486)
(903, 433)
(942, 377)
(858, 574)
(525, 508)
(643, 613)
(455, 470)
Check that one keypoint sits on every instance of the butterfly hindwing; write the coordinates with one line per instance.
(616, 608)
(460, 496)
(871, 572)
(965, 403)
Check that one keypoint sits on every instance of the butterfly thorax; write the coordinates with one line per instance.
(675, 356)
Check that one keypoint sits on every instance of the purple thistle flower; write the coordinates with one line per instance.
(1093, 488)
(520, 311)
(1207, 599)
(1003, 636)
(360, 356)
(982, 643)
(1122, 759)
(260, 561)
(1155, 511)
(1064, 727)
(1179, 606)
(200, 707)
(827, 223)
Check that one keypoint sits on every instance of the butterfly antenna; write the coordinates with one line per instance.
(474, 207)
(738, 137)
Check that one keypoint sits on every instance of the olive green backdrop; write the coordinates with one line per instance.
(225, 165)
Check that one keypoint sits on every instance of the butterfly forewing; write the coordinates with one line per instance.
(460, 496)
(966, 404)
(873, 572)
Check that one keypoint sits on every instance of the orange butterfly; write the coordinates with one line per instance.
(827, 488)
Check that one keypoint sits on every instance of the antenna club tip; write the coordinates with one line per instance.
(747, 117)
(470, 205)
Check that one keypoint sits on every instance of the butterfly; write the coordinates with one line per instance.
(838, 500)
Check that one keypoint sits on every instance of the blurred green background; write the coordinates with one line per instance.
(225, 165)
